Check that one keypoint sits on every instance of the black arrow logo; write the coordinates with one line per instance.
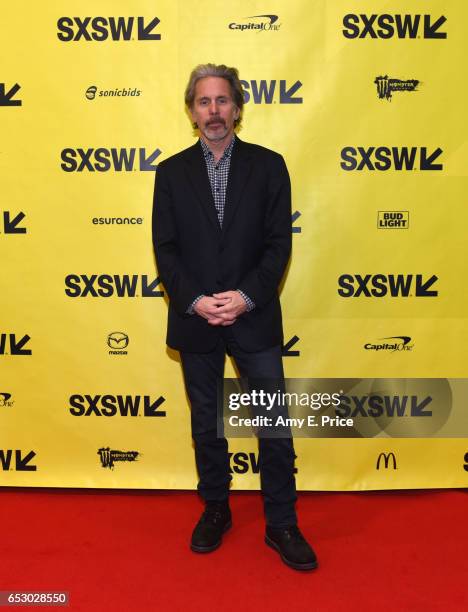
(417, 410)
(286, 352)
(422, 289)
(144, 32)
(427, 162)
(146, 163)
(6, 98)
(22, 462)
(430, 30)
(149, 290)
(294, 217)
(16, 348)
(286, 95)
(11, 224)
(151, 409)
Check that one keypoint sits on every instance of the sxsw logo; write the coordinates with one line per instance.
(108, 285)
(388, 158)
(11, 224)
(16, 460)
(393, 26)
(7, 97)
(112, 405)
(10, 344)
(271, 92)
(103, 160)
(242, 463)
(381, 285)
(386, 459)
(103, 28)
(376, 405)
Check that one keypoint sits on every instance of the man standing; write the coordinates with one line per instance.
(222, 238)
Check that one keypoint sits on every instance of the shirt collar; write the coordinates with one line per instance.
(207, 152)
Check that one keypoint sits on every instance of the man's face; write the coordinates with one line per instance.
(213, 108)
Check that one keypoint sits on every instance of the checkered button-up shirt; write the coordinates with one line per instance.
(218, 173)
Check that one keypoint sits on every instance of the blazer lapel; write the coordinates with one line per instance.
(239, 172)
(198, 175)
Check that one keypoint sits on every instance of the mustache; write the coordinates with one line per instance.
(215, 120)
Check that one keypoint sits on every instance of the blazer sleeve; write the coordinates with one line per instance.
(262, 282)
(180, 286)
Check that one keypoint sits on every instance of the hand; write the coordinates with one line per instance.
(207, 307)
(232, 309)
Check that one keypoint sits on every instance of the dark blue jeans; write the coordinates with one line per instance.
(202, 372)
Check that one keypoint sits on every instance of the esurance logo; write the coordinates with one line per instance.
(99, 29)
(393, 26)
(104, 160)
(391, 285)
(390, 158)
(271, 92)
(112, 405)
(262, 23)
(392, 344)
(111, 285)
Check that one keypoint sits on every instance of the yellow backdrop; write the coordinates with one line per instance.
(91, 98)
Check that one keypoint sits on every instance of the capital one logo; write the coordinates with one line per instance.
(111, 285)
(386, 459)
(99, 29)
(104, 160)
(271, 92)
(393, 26)
(390, 158)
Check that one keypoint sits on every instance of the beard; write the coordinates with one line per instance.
(217, 132)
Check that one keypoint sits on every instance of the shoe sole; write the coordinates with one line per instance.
(207, 549)
(297, 566)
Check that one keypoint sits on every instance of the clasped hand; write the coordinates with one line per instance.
(221, 308)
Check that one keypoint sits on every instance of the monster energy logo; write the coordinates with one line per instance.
(386, 86)
(108, 456)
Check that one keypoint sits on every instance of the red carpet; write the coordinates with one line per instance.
(128, 550)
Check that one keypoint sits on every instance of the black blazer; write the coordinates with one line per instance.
(195, 256)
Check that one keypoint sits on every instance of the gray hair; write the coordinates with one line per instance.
(212, 70)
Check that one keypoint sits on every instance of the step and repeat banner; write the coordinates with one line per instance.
(366, 102)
